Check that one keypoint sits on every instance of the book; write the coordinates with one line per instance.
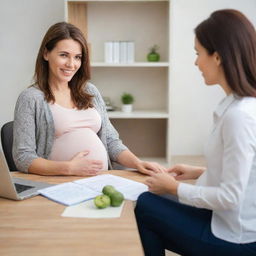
(71, 193)
(130, 52)
(108, 52)
(115, 52)
(123, 52)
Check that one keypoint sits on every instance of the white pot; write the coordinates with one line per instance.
(127, 108)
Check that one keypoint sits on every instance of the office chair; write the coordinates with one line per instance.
(7, 139)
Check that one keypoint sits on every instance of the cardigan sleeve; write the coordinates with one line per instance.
(24, 137)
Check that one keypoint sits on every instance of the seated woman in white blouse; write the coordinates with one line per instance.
(217, 215)
(61, 126)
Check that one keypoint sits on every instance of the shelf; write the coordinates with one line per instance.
(117, 1)
(139, 115)
(135, 64)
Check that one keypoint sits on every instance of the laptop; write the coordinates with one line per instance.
(17, 188)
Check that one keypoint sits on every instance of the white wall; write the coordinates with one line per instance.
(192, 102)
(23, 24)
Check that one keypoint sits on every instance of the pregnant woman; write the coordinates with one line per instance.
(61, 125)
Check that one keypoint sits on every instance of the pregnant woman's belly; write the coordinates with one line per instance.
(75, 141)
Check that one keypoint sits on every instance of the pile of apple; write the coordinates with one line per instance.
(110, 197)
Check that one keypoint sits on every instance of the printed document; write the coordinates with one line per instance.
(68, 193)
(130, 189)
(75, 192)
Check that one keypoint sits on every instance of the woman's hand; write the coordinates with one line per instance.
(162, 183)
(128, 159)
(186, 172)
(81, 166)
(149, 167)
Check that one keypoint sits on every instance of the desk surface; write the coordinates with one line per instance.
(35, 227)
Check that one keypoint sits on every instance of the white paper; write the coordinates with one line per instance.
(88, 210)
(130, 189)
(68, 193)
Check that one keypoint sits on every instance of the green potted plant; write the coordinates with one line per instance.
(153, 54)
(127, 101)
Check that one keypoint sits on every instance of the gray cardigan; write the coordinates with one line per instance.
(33, 130)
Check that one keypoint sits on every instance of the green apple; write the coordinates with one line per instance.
(116, 198)
(108, 190)
(102, 201)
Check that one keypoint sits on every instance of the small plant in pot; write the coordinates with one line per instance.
(153, 55)
(127, 100)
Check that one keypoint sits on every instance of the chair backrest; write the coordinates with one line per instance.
(7, 139)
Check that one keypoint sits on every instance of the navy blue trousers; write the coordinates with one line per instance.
(168, 224)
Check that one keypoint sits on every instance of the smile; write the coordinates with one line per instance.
(67, 72)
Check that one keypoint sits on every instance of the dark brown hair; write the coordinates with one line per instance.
(77, 84)
(229, 33)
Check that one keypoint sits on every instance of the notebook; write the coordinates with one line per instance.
(17, 188)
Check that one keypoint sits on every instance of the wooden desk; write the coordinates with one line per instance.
(35, 227)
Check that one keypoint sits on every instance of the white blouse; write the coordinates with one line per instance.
(228, 186)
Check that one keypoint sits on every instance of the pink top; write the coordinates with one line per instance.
(76, 131)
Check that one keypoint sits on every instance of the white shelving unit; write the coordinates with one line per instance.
(136, 64)
(146, 130)
(139, 115)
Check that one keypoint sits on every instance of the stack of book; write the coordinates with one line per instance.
(119, 51)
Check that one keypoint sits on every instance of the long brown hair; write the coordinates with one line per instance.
(77, 84)
(229, 33)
